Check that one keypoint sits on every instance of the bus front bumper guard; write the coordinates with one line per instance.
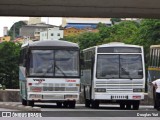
(53, 96)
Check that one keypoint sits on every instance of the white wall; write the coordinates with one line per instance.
(51, 34)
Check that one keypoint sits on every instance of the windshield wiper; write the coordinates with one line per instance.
(60, 70)
(126, 73)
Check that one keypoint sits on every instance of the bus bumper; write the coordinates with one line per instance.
(53, 96)
(119, 96)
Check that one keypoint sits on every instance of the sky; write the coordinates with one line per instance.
(9, 21)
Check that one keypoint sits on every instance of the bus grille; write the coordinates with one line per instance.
(55, 87)
(119, 87)
(60, 89)
(53, 97)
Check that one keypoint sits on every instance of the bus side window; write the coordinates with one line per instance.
(153, 57)
(159, 58)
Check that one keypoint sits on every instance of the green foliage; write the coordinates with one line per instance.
(9, 54)
(104, 31)
(85, 40)
(14, 30)
(123, 32)
(114, 20)
(148, 33)
(88, 39)
(71, 38)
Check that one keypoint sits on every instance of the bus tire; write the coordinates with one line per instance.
(122, 106)
(87, 103)
(72, 104)
(59, 104)
(24, 102)
(128, 106)
(154, 98)
(30, 103)
(65, 104)
(136, 105)
(155, 106)
(95, 104)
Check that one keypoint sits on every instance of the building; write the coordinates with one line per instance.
(70, 31)
(33, 31)
(5, 31)
(82, 23)
(5, 39)
(54, 33)
(34, 20)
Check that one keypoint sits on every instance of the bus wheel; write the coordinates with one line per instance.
(128, 106)
(136, 105)
(72, 104)
(24, 102)
(30, 103)
(65, 104)
(87, 103)
(59, 104)
(95, 104)
(155, 106)
(122, 105)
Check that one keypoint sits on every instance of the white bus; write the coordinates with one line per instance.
(113, 73)
(49, 72)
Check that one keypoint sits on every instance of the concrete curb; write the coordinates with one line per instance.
(19, 107)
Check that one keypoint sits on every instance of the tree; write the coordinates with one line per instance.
(88, 39)
(9, 54)
(148, 33)
(104, 31)
(114, 20)
(71, 38)
(123, 32)
(14, 30)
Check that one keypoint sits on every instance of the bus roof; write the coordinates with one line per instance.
(51, 43)
(155, 46)
(112, 44)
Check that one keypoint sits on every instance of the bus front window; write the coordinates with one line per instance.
(107, 66)
(54, 63)
(42, 62)
(131, 66)
(66, 63)
(128, 66)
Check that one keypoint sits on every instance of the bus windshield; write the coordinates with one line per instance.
(119, 66)
(58, 63)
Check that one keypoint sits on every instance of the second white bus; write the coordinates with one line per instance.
(113, 73)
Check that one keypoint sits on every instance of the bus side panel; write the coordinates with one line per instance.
(22, 82)
(86, 80)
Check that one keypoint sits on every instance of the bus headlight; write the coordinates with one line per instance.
(138, 90)
(100, 89)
